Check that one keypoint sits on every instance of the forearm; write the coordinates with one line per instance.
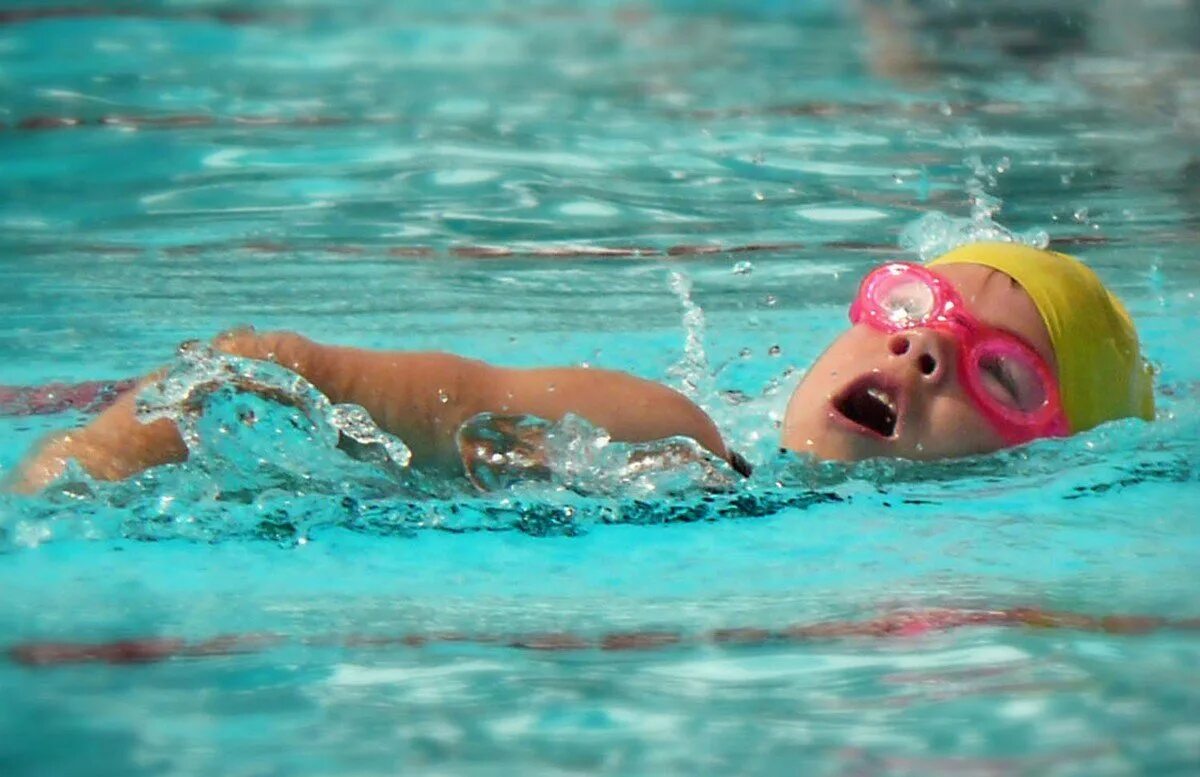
(629, 408)
(421, 397)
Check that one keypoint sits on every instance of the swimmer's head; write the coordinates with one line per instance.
(991, 345)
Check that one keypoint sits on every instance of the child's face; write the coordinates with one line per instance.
(915, 372)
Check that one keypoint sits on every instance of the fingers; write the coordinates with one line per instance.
(239, 341)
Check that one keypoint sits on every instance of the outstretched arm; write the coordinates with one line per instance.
(422, 398)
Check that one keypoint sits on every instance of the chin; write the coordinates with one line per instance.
(829, 442)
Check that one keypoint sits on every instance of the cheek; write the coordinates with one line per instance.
(957, 428)
(854, 352)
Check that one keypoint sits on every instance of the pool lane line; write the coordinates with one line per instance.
(493, 251)
(898, 625)
(176, 121)
(220, 15)
(48, 399)
(41, 122)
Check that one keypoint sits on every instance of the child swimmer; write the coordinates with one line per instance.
(989, 346)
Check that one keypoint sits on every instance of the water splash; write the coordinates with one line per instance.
(250, 425)
(503, 451)
(937, 233)
(692, 369)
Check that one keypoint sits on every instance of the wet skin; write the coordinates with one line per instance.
(935, 417)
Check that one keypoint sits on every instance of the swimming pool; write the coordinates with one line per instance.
(682, 190)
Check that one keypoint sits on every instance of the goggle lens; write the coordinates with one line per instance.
(1010, 378)
(904, 299)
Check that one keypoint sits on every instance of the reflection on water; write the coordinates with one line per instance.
(683, 190)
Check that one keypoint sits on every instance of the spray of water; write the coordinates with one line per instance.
(502, 451)
(936, 233)
(692, 370)
(262, 421)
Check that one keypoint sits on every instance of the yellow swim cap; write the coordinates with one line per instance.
(1101, 373)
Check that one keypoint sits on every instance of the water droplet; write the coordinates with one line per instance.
(743, 268)
(1002, 165)
(1080, 215)
(746, 352)
(443, 397)
(770, 300)
(774, 350)
(759, 196)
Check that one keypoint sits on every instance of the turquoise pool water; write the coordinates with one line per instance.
(685, 190)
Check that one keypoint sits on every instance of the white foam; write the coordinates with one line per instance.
(464, 176)
(353, 675)
(588, 208)
(841, 215)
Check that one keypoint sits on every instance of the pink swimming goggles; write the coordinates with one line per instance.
(1007, 380)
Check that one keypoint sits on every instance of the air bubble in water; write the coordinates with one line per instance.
(743, 268)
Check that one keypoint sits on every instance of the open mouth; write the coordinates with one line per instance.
(870, 404)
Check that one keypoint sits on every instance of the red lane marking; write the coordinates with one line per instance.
(640, 640)
(685, 250)
(269, 247)
(133, 651)
(89, 397)
(411, 251)
(898, 625)
(476, 252)
(1081, 240)
(48, 122)
(183, 121)
(21, 15)
(551, 641)
(229, 644)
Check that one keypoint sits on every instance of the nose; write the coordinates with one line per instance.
(925, 352)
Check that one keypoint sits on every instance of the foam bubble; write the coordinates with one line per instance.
(841, 215)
